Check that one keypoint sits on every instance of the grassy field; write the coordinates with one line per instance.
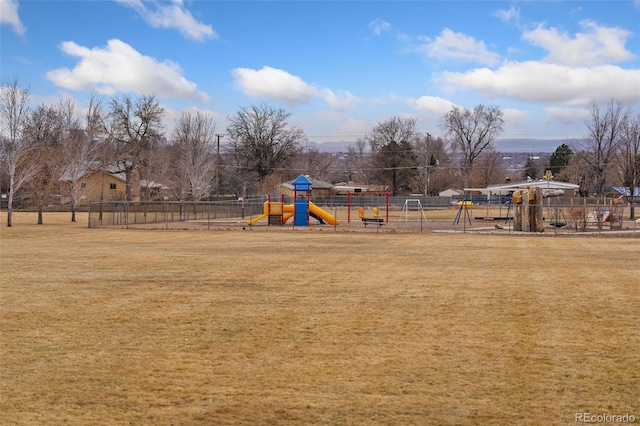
(131, 326)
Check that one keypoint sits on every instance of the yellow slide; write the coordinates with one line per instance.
(257, 219)
(317, 211)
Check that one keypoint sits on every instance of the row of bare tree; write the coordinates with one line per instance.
(44, 146)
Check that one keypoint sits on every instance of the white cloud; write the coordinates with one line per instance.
(566, 115)
(512, 14)
(458, 46)
(378, 26)
(9, 15)
(575, 11)
(339, 125)
(344, 100)
(385, 99)
(543, 82)
(596, 45)
(276, 84)
(119, 67)
(171, 115)
(515, 117)
(273, 83)
(173, 15)
(431, 104)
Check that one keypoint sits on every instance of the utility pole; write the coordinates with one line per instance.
(427, 167)
(218, 136)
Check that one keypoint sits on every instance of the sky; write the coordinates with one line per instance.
(339, 67)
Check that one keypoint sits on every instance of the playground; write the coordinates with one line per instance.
(532, 213)
(276, 216)
(138, 326)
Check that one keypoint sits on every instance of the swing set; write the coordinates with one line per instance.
(369, 199)
(463, 209)
(412, 204)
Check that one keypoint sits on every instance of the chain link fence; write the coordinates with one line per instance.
(120, 213)
(558, 213)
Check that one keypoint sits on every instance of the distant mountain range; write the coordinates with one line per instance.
(501, 145)
(333, 147)
(530, 145)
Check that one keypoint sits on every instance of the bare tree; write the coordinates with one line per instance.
(357, 163)
(433, 159)
(629, 160)
(15, 151)
(194, 138)
(106, 149)
(261, 140)
(600, 147)
(534, 167)
(471, 132)
(158, 173)
(78, 146)
(315, 163)
(391, 143)
(577, 171)
(438, 173)
(43, 132)
(133, 126)
(488, 169)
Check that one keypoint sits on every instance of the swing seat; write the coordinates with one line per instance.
(558, 224)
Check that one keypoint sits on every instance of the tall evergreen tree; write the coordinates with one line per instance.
(560, 158)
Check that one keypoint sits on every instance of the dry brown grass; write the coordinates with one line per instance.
(116, 326)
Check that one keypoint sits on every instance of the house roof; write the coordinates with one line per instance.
(93, 167)
(450, 191)
(315, 183)
(544, 184)
(149, 184)
(343, 189)
(625, 191)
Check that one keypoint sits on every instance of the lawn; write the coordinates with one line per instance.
(196, 327)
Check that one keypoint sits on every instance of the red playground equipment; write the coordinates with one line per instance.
(368, 201)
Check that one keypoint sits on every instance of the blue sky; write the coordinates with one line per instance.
(340, 67)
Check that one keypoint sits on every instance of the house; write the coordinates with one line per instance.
(319, 188)
(622, 192)
(450, 193)
(99, 185)
(344, 188)
(151, 190)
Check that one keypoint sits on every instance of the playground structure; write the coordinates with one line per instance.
(301, 210)
(527, 210)
(369, 199)
(464, 208)
(412, 204)
(603, 213)
(279, 213)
